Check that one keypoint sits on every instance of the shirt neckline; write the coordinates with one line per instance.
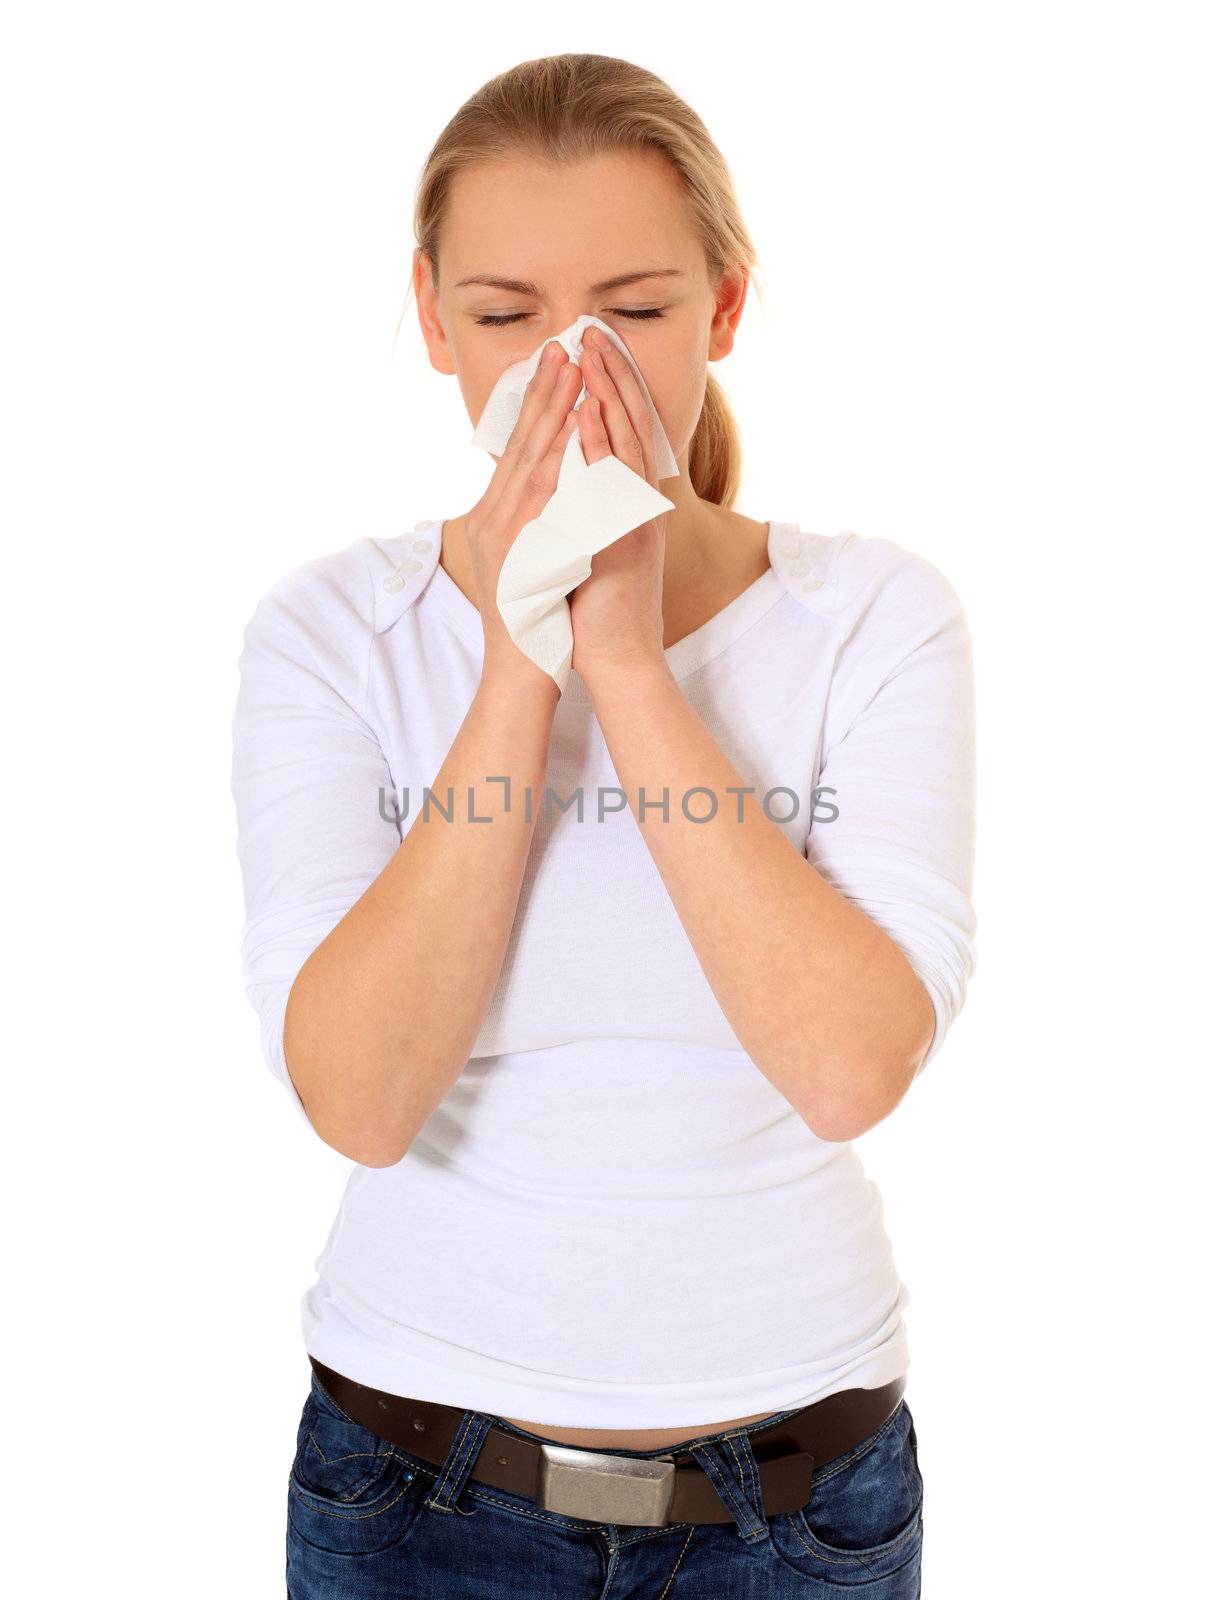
(688, 655)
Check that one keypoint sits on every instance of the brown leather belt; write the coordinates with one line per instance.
(625, 1490)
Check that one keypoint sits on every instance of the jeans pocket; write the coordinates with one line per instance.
(863, 1520)
(351, 1493)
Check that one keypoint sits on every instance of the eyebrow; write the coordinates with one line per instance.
(519, 286)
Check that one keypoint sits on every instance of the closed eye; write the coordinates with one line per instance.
(519, 316)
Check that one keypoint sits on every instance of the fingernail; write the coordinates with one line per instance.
(549, 354)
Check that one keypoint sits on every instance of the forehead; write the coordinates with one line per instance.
(526, 218)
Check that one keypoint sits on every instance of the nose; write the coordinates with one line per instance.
(564, 318)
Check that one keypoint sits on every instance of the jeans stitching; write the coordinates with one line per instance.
(384, 1456)
(741, 1469)
(335, 1406)
(729, 1444)
(718, 1479)
(831, 1468)
(452, 1468)
(821, 1552)
(744, 1457)
(352, 1455)
(536, 1515)
(672, 1575)
(712, 1470)
(354, 1514)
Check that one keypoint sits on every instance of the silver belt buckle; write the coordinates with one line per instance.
(625, 1490)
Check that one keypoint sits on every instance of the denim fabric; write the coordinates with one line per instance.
(367, 1520)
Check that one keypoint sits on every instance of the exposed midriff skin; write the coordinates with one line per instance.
(630, 1438)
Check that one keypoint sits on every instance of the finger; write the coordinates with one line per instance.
(542, 392)
(541, 385)
(530, 439)
(540, 482)
(526, 448)
(593, 439)
(627, 415)
(533, 474)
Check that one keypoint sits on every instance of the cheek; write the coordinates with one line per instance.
(479, 371)
(476, 379)
(678, 387)
(477, 366)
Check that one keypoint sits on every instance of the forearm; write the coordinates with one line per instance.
(820, 997)
(382, 1017)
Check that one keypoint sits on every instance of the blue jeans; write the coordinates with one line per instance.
(367, 1520)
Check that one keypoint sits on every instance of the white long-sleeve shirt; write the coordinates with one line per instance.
(613, 1219)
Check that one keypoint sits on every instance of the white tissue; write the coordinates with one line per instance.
(590, 509)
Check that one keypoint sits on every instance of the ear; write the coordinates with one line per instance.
(440, 355)
(729, 300)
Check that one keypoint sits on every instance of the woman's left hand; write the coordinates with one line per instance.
(617, 613)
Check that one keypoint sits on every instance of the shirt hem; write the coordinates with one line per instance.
(565, 1402)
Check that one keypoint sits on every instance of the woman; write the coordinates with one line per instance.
(609, 1300)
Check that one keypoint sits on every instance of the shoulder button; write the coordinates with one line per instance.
(805, 563)
(412, 563)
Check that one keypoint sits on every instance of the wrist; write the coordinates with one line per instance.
(618, 676)
(512, 676)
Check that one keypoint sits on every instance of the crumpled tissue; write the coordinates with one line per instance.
(591, 507)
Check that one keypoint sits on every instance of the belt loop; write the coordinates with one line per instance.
(732, 1468)
(459, 1461)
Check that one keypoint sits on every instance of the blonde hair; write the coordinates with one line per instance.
(568, 108)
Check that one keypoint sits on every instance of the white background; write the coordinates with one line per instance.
(984, 336)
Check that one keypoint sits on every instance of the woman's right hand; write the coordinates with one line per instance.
(526, 476)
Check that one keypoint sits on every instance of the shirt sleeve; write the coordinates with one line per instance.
(315, 805)
(899, 752)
